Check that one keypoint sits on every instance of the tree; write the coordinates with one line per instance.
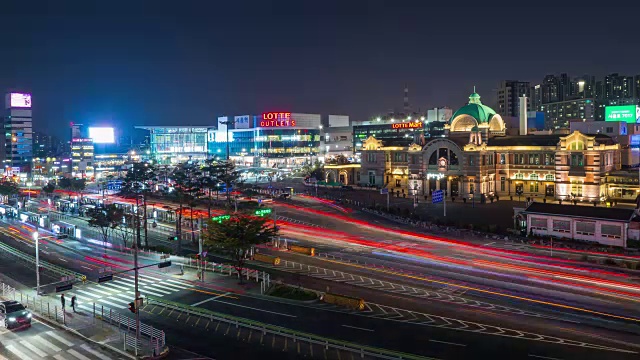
(210, 180)
(314, 170)
(49, 188)
(182, 192)
(8, 188)
(229, 176)
(138, 181)
(106, 218)
(238, 235)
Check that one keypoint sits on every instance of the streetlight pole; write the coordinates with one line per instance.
(135, 266)
(35, 238)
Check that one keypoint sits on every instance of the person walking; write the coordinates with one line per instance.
(73, 303)
(62, 301)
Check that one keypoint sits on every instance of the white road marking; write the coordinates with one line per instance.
(58, 357)
(158, 289)
(543, 357)
(252, 308)
(117, 306)
(86, 267)
(150, 277)
(89, 293)
(100, 291)
(77, 354)
(46, 343)
(170, 287)
(33, 349)
(488, 244)
(18, 353)
(358, 328)
(446, 342)
(62, 259)
(114, 286)
(180, 283)
(59, 338)
(150, 292)
(40, 322)
(209, 299)
(88, 349)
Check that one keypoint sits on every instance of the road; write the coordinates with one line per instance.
(466, 276)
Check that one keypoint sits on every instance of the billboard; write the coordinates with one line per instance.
(626, 113)
(407, 125)
(102, 135)
(19, 100)
(241, 122)
(277, 119)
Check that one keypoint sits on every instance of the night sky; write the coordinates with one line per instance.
(187, 62)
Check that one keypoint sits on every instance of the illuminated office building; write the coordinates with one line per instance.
(18, 154)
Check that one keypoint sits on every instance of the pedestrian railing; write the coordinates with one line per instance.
(294, 335)
(152, 339)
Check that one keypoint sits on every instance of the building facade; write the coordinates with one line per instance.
(82, 158)
(176, 144)
(509, 93)
(478, 161)
(18, 140)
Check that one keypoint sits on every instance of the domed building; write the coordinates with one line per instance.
(476, 115)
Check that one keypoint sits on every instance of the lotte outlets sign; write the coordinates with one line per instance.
(277, 119)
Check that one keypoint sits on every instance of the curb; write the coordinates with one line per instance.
(75, 332)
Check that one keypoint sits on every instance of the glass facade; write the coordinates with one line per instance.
(170, 145)
(386, 133)
(269, 143)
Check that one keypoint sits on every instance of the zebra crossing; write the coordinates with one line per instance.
(46, 345)
(118, 293)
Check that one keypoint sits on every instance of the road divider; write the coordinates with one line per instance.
(269, 259)
(303, 250)
(342, 300)
(45, 265)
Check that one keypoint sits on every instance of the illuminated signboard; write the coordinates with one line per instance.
(20, 100)
(407, 125)
(277, 119)
(626, 113)
(102, 135)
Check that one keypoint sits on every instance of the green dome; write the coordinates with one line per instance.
(475, 109)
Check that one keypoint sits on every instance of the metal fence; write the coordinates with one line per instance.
(152, 340)
(45, 265)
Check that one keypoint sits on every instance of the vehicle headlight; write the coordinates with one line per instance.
(29, 315)
(12, 319)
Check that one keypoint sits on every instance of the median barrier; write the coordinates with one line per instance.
(341, 300)
(361, 350)
(303, 250)
(269, 259)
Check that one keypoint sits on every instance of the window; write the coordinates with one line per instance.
(472, 160)
(576, 189)
(503, 159)
(549, 178)
(534, 159)
(490, 159)
(471, 188)
(519, 159)
(613, 231)
(533, 186)
(533, 177)
(519, 176)
(539, 223)
(562, 225)
(414, 159)
(502, 183)
(398, 182)
(577, 160)
(609, 130)
(372, 177)
(576, 145)
(585, 228)
(371, 157)
(399, 157)
(549, 159)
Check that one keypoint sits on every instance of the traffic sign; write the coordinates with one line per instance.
(263, 212)
(437, 196)
(384, 191)
(221, 218)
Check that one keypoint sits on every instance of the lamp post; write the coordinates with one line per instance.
(29, 185)
(35, 238)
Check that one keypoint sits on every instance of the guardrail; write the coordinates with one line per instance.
(284, 332)
(152, 339)
(51, 267)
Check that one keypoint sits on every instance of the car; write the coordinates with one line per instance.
(284, 196)
(14, 314)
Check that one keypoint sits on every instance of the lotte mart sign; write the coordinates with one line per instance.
(407, 125)
(277, 119)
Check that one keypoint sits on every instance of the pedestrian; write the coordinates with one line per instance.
(73, 303)
(62, 301)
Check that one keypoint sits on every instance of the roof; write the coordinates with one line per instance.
(524, 140)
(475, 108)
(589, 212)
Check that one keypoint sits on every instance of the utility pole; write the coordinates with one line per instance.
(135, 265)
(35, 238)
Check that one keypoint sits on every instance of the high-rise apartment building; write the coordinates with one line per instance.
(18, 140)
(508, 94)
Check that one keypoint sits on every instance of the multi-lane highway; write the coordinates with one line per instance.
(426, 296)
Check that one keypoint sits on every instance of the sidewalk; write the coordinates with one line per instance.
(46, 309)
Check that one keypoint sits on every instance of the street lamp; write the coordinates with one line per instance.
(35, 238)
(29, 184)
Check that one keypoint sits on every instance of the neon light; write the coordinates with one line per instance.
(277, 119)
(407, 125)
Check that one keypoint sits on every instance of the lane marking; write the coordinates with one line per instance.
(543, 357)
(489, 244)
(88, 268)
(40, 322)
(18, 353)
(33, 349)
(357, 328)
(206, 300)
(59, 338)
(77, 354)
(486, 291)
(446, 342)
(88, 349)
(46, 343)
(61, 259)
(256, 309)
(214, 293)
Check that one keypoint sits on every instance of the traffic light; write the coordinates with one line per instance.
(173, 238)
(132, 307)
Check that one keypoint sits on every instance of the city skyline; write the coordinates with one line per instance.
(151, 68)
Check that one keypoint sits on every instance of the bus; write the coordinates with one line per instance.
(63, 230)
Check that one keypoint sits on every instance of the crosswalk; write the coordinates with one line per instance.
(118, 293)
(46, 345)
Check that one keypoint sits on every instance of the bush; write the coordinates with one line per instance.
(293, 293)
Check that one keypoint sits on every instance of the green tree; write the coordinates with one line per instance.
(105, 219)
(49, 188)
(183, 190)
(139, 180)
(8, 188)
(238, 235)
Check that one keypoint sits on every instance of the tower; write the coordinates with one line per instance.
(407, 109)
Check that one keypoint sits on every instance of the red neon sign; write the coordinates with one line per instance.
(277, 119)
(408, 125)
